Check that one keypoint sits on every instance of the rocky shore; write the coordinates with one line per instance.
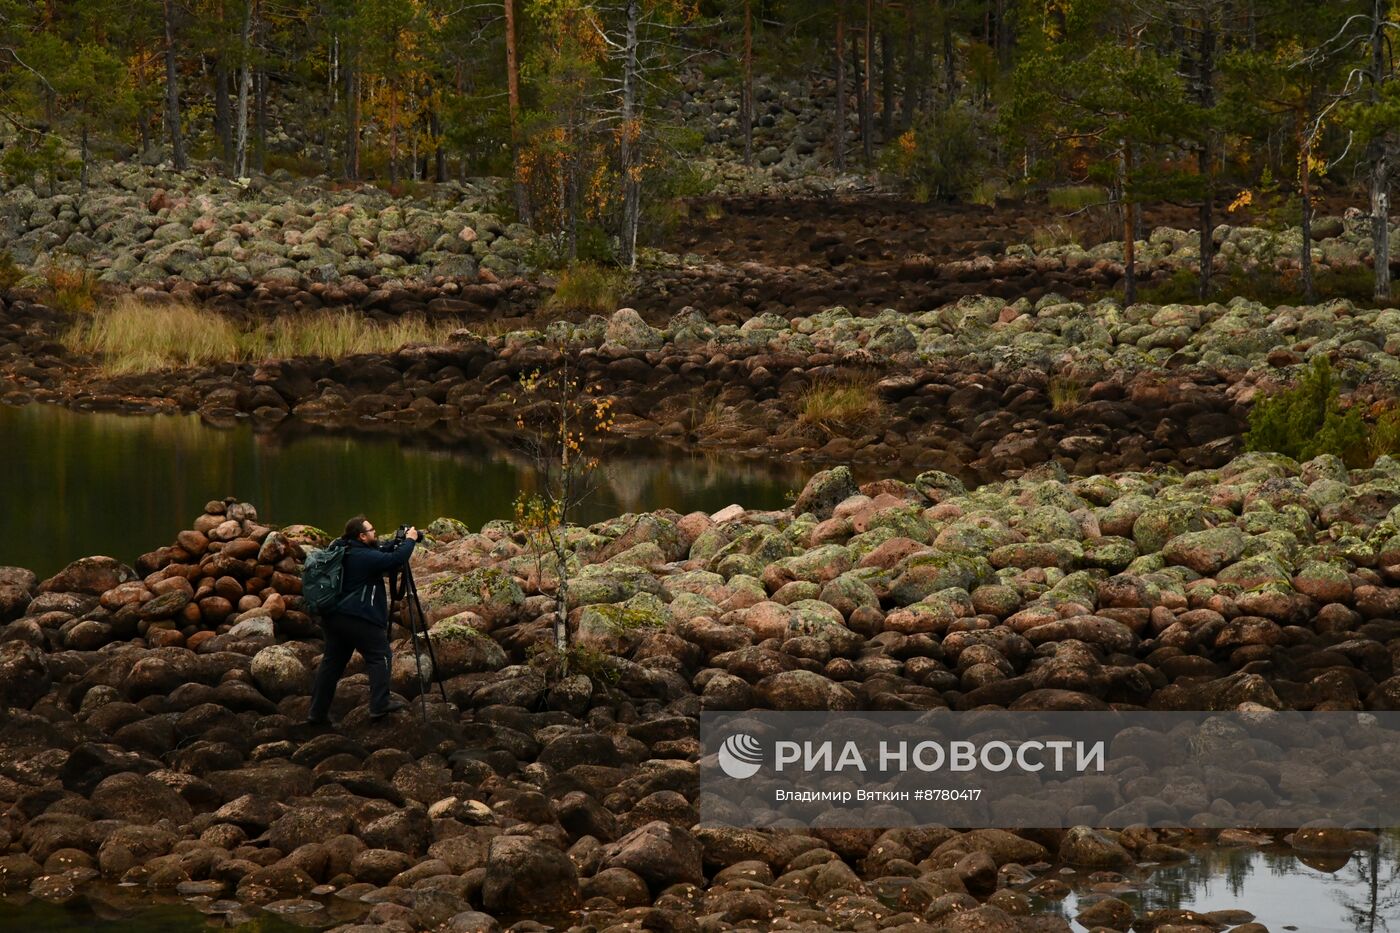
(983, 388)
(152, 713)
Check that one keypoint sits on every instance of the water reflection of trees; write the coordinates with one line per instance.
(1370, 897)
(1366, 889)
(105, 483)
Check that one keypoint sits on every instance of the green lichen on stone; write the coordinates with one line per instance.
(641, 612)
(485, 587)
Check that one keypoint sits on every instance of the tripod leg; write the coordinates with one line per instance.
(418, 660)
(412, 586)
(402, 586)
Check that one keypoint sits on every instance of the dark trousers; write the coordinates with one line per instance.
(344, 636)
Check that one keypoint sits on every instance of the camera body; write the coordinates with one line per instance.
(398, 538)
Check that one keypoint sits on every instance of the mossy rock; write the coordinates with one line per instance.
(1206, 552)
(816, 619)
(692, 606)
(617, 628)
(825, 491)
(930, 571)
(819, 564)
(709, 543)
(610, 583)
(1256, 571)
(307, 535)
(690, 581)
(1079, 587)
(1158, 524)
(490, 592)
(849, 592)
(644, 554)
(732, 564)
(867, 541)
(649, 528)
(1110, 553)
(461, 648)
(447, 529)
(906, 521)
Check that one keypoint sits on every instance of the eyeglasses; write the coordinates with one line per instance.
(368, 531)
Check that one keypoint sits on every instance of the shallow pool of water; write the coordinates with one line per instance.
(1284, 891)
(77, 484)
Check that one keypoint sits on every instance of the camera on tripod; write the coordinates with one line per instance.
(396, 540)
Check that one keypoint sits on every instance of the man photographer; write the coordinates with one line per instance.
(360, 620)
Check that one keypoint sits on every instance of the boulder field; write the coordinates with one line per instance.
(152, 733)
(982, 388)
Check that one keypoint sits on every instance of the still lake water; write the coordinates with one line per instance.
(77, 484)
(1361, 895)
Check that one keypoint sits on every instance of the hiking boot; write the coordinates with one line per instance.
(393, 706)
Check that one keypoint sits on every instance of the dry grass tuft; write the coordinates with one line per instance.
(337, 334)
(71, 288)
(588, 288)
(841, 407)
(1065, 394)
(132, 337)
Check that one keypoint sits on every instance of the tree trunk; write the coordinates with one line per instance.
(1129, 242)
(245, 87)
(1305, 192)
(840, 141)
(1378, 152)
(1380, 218)
(867, 97)
(393, 120)
(631, 141)
(1003, 35)
(439, 153)
(886, 87)
(522, 199)
(910, 73)
(1205, 155)
(746, 101)
(858, 79)
(950, 74)
(172, 89)
(223, 112)
(260, 121)
(352, 115)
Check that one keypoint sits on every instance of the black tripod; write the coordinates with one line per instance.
(403, 586)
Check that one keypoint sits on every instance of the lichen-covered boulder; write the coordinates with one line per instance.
(1158, 524)
(929, 571)
(627, 329)
(825, 491)
(617, 628)
(489, 592)
(1206, 552)
(610, 583)
(803, 690)
(462, 648)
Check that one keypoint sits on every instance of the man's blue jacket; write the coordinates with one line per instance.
(362, 579)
